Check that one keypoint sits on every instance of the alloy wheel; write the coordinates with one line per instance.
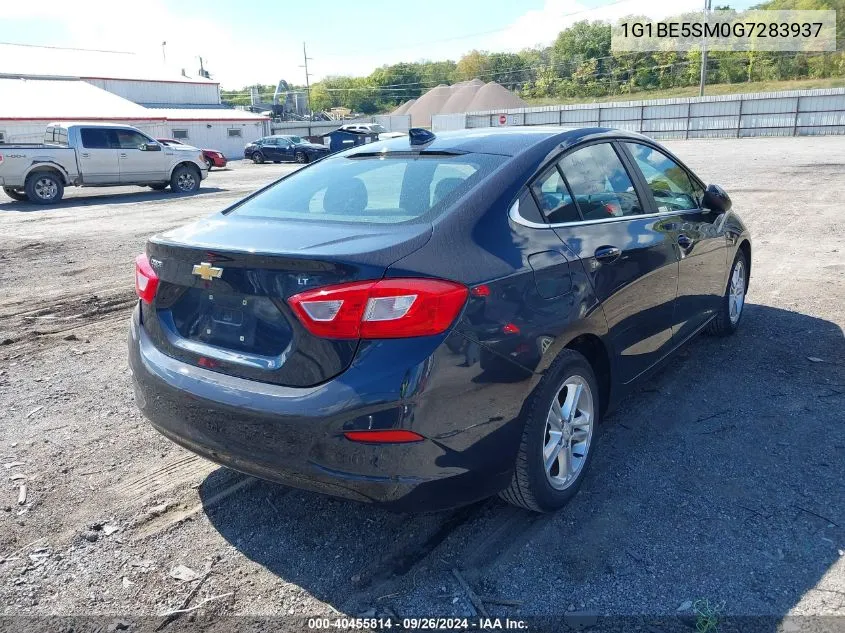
(186, 181)
(736, 293)
(45, 188)
(568, 432)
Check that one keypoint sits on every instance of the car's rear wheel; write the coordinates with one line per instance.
(556, 445)
(16, 194)
(185, 179)
(44, 187)
(732, 306)
(301, 157)
(257, 158)
(210, 163)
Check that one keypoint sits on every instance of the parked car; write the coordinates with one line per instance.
(95, 155)
(372, 128)
(283, 148)
(212, 157)
(424, 322)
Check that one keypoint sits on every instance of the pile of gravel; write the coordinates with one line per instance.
(403, 109)
(466, 96)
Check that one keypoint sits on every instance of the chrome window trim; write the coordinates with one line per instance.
(514, 215)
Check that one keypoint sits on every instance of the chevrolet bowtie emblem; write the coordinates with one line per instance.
(206, 271)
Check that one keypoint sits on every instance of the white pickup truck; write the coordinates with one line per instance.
(96, 155)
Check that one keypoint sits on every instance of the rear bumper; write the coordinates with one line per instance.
(294, 436)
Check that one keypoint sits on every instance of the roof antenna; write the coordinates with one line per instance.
(420, 136)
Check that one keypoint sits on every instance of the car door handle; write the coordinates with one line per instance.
(607, 254)
(123, 155)
(85, 155)
(684, 241)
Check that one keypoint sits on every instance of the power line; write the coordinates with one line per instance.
(68, 48)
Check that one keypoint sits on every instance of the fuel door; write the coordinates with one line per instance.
(551, 273)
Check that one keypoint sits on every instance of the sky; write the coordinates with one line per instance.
(260, 41)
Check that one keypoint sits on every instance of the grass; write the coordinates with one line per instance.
(692, 91)
(707, 616)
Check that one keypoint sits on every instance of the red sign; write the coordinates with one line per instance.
(503, 119)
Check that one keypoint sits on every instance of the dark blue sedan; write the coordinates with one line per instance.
(281, 148)
(427, 321)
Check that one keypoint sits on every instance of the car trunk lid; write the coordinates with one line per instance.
(224, 282)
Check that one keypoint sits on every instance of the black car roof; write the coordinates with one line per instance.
(507, 141)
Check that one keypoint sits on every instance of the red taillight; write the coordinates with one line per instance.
(390, 308)
(146, 279)
(397, 436)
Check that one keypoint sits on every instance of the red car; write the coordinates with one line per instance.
(212, 156)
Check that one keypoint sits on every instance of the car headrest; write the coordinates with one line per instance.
(443, 187)
(346, 196)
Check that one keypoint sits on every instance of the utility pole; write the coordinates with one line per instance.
(305, 58)
(704, 51)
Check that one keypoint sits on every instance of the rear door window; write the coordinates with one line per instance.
(670, 184)
(554, 198)
(599, 182)
(97, 138)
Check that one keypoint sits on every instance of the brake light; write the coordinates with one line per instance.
(389, 308)
(146, 279)
(396, 436)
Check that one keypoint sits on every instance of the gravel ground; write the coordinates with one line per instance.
(720, 480)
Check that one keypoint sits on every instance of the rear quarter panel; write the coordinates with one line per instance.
(19, 163)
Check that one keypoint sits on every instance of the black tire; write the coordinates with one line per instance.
(16, 194)
(277, 162)
(159, 186)
(301, 157)
(44, 187)
(209, 163)
(530, 487)
(185, 179)
(257, 158)
(722, 324)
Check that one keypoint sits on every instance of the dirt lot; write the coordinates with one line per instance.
(720, 480)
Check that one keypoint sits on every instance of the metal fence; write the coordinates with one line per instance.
(792, 113)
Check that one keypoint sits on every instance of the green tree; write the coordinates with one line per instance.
(474, 64)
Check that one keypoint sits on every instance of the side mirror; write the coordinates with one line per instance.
(716, 199)
(150, 147)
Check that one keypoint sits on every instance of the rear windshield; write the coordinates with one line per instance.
(378, 189)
